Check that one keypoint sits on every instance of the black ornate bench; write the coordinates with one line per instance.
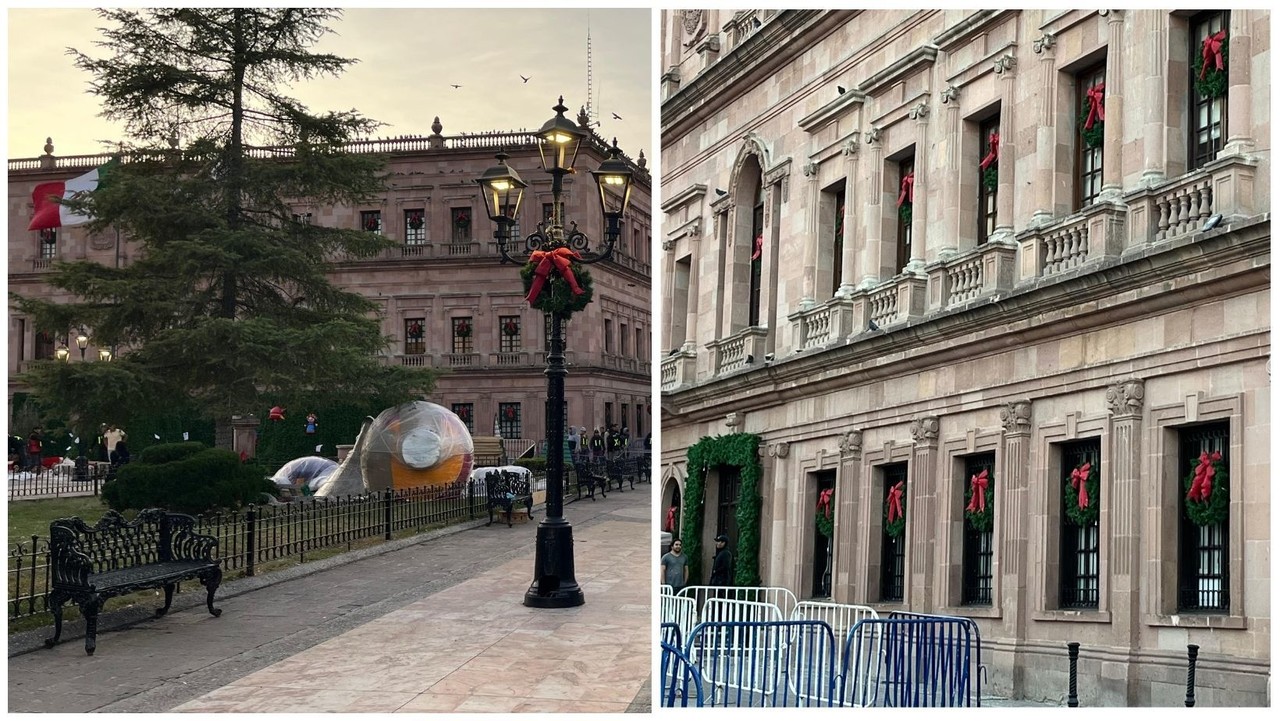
(591, 476)
(618, 469)
(505, 490)
(90, 564)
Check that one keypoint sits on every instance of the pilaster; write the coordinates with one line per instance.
(873, 222)
(1240, 89)
(1045, 131)
(923, 523)
(1113, 102)
(1007, 158)
(1125, 404)
(1014, 515)
(848, 263)
(920, 189)
(848, 487)
(951, 169)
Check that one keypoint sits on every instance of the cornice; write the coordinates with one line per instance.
(842, 104)
(684, 197)
(906, 65)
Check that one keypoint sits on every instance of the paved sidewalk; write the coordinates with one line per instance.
(434, 626)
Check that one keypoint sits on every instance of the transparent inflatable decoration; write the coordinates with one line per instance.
(309, 472)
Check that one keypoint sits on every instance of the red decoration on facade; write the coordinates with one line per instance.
(1096, 107)
(415, 330)
(547, 261)
(978, 485)
(993, 153)
(908, 192)
(671, 520)
(510, 413)
(1211, 50)
(824, 501)
(1078, 478)
(415, 221)
(371, 223)
(895, 501)
(1202, 484)
(759, 247)
(510, 328)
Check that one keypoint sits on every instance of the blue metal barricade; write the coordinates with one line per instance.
(911, 660)
(671, 635)
(681, 682)
(765, 664)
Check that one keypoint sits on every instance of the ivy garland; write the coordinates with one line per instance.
(1213, 510)
(980, 520)
(1092, 137)
(894, 528)
(556, 297)
(1088, 515)
(742, 450)
(1215, 80)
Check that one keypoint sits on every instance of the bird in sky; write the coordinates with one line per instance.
(616, 116)
(455, 86)
(524, 78)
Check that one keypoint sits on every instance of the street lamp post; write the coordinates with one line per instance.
(82, 342)
(549, 256)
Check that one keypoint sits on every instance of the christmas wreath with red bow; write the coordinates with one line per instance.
(510, 413)
(463, 329)
(1210, 65)
(415, 330)
(895, 510)
(1208, 492)
(463, 413)
(511, 328)
(371, 223)
(1082, 494)
(461, 219)
(1092, 115)
(415, 221)
(554, 283)
(824, 520)
(980, 501)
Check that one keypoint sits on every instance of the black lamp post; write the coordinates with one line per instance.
(554, 584)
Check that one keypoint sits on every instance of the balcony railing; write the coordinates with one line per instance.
(817, 326)
(736, 351)
(1088, 236)
(461, 360)
(416, 360)
(678, 369)
(1182, 205)
(975, 273)
(509, 358)
(38, 264)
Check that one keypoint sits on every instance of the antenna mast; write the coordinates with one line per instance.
(591, 111)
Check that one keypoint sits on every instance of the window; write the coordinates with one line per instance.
(906, 199)
(415, 227)
(892, 550)
(639, 432)
(509, 420)
(1079, 567)
(302, 218)
(415, 336)
(508, 333)
(1208, 115)
(837, 242)
(822, 544)
(608, 336)
(48, 244)
(637, 245)
(371, 220)
(624, 337)
(460, 220)
(1091, 90)
(548, 211)
(977, 552)
(757, 258)
(44, 346)
(640, 343)
(546, 331)
(462, 336)
(988, 177)
(608, 414)
(727, 508)
(626, 409)
(1202, 550)
(466, 413)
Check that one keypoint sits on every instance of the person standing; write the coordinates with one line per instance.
(573, 440)
(722, 564)
(35, 452)
(675, 567)
(114, 436)
(597, 445)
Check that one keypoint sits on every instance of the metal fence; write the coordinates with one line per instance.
(56, 482)
(257, 535)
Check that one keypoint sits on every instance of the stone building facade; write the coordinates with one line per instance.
(445, 300)
(912, 249)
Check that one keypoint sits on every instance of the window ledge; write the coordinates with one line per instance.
(1062, 614)
(1197, 620)
(969, 611)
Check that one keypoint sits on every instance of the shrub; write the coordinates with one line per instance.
(188, 478)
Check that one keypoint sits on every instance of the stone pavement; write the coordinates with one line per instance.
(437, 625)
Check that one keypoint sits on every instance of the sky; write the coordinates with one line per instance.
(408, 59)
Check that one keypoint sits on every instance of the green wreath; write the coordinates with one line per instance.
(904, 212)
(1213, 511)
(556, 296)
(981, 520)
(1092, 137)
(1088, 515)
(1215, 80)
(894, 529)
(742, 450)
(991, 177)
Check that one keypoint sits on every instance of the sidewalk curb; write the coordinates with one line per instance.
(28, 641)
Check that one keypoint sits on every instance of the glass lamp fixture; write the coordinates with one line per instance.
(560, 140)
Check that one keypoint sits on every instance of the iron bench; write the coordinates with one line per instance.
(505, 490)
(590, 476)
(115, 557)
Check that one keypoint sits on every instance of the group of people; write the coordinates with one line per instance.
(29, 454)
(675, 565)
(603, 442)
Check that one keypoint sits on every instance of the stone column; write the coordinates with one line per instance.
(1007, 154)
(873, 222)
(690, 344)
(1046, 130)
(813, 237)
(669, 264)
(950, 185)
(780, 571)
(1153, 47)
(244, 435)
(923, 522)
(1113, 128)
(848, 486)
(1240, 91)
(1013, 509)
(919, 209)
(1124, 565)
(848, 263)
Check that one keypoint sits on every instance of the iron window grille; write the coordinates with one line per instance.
(371, 221)
(1078, 569)
(44, 349)
(466, 412)
(415, 336)
(905, 168)
(977, 553)
(48, 244)
(1202, 550)
(893, 551)
(987, 196)
(415, 227)
(822, 545)
(508, 341)
(1207, 116)
(463, 335)
(509, 420)
(1088, 160)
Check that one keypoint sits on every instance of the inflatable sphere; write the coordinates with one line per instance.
(413, 445)
(308, 471)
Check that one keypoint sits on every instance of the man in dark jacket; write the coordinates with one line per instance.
(722, 564)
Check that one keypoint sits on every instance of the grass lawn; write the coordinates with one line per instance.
(28, 518)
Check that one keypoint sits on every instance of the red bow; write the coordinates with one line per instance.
(1096, 108)
(671, 519)
(755, 254)
(1211, 49)
(908, 189)
(991, 155)
(275, 414)
(1078, 478)
(824, 501)
(978, 485)
(895, 502)
(547, 260)
(1202, 483)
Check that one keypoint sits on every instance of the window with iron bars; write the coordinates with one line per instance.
(415, 226)
(508, 333)
(1207, 116)
(463, 335)
(892, 550)
(1202, 550)
(415, 335)
(466, 413)
(48, 243)
(977, 553)
(509, 420)
(371, 220)
(1078, 569)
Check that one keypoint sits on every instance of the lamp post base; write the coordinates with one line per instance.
(554, 585)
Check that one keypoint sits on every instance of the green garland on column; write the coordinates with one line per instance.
(742, 450)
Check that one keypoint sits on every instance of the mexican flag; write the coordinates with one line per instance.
(50, 213)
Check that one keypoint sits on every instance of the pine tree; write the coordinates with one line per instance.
(226, 305)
